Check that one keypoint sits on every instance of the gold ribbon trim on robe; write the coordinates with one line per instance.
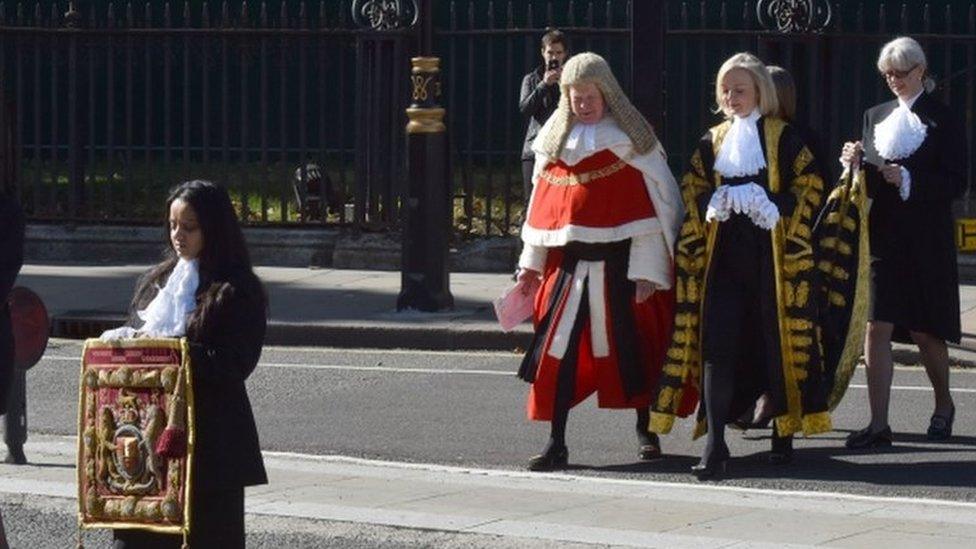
(127, 392)
(843, 231)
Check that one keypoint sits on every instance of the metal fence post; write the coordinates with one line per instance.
(77, 17)
(424, 276)
(648, 25)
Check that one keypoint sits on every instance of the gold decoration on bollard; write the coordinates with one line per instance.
(425, 121)
(425, 113)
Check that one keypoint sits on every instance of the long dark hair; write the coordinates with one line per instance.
(224, 257)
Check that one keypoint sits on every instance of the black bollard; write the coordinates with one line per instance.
(424, 279)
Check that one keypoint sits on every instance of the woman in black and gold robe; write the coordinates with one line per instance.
(746, 320)
(915, 165)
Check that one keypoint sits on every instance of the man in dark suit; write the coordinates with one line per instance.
(540, 97)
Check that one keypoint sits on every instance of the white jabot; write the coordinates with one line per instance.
(901, 133)
(741, 155)
(582, 138)
(167, 314)
(741, 152)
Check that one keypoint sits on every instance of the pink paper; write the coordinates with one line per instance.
(515, 304)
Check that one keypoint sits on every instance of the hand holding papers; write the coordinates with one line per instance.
(515, 304)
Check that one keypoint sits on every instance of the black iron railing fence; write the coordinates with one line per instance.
(488, 49)
(110, 111)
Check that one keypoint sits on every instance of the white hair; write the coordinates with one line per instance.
(903, 54)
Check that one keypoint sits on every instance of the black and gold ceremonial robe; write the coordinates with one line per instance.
(844, 265)
(791, 368)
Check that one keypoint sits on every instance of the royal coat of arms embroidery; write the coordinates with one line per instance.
(134, 395)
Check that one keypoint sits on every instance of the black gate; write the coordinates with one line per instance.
(286, 107)
(116, 102)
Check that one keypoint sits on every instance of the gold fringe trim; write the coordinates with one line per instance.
(814, 424)
(810, 424)
(661, 423)
(584, 177)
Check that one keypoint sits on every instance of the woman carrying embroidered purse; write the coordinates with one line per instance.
(746, 318)
(206, 290)
(599, 233)
(914, 157)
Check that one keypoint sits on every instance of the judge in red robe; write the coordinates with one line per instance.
(598, 241)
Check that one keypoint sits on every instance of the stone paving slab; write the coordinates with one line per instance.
(555, 507)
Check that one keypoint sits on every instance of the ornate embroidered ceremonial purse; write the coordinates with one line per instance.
(135, 435)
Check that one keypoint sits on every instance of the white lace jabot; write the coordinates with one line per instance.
(167, 314)
(741, 153)
(901, 133)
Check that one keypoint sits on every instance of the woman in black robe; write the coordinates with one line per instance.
(914, 157)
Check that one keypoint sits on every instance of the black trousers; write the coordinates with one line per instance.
(217, 521)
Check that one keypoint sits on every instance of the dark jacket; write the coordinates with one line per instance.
(916, 281)
(228, 453)
(11, 260)
(537, 102)
(224, 350)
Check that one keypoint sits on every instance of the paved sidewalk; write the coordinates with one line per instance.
(554, 507)
(340, 308)
(314, 307)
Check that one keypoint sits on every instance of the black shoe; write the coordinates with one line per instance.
(554, 458)
(712, 466)
(15, 455)
(865, 439)
(650, 449)
(782, 451)
(940, 427)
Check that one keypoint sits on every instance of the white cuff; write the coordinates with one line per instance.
(718, 206)
(905, 189)
(650, 260)
(533, 257)
(765, 214)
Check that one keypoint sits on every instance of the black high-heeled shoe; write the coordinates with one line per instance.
(712, 466)
(940, 427)
(866, 439)
(552, 459)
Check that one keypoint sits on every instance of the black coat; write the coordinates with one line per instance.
(11, 260)
(915, 280)
(228, 453)
(537, 102)
(224, 351)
